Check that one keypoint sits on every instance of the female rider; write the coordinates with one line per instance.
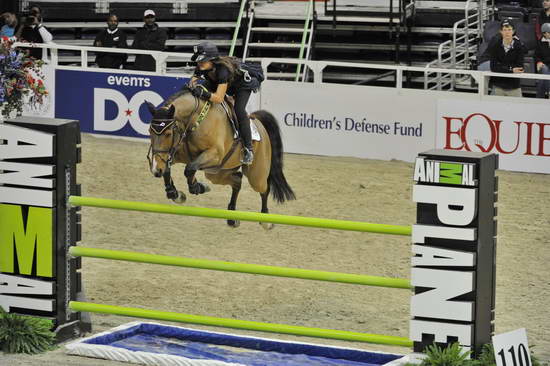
(223, 76)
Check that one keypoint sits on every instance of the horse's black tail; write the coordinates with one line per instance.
(279, 187)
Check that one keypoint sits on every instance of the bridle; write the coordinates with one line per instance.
(172, 125)
(165, 124)
(159, 126)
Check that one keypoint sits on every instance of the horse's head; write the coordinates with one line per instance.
(165, 138)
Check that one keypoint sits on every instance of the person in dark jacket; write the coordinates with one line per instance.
(542, 60)
(112, 37)
(151, 37)
(223, 76)
(544, 17)
(484, 62)
(33, 31)
(507, 57)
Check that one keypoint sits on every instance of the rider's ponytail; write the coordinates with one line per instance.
(231, 63)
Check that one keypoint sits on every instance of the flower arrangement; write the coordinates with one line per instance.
(21, 79)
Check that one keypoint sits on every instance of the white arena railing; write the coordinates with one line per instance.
(316, 68)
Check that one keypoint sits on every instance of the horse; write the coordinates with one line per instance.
(188, 130)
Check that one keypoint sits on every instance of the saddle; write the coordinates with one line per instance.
(229, 106)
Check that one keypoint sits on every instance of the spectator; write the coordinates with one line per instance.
(544, 17)
(32, 31)
(542, 60)
(151, 37)
(111, 37)
(10, 24)
(507, 57)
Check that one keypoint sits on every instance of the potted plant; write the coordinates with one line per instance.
(21, 79)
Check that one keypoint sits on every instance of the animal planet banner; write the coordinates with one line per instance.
(111, 103)
(518, 132)
(346, 120)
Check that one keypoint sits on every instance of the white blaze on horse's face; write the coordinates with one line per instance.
(154, 166)
(160, 144)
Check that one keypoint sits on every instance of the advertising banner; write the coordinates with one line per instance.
(518, 132)
(111, 103)
(357, 121)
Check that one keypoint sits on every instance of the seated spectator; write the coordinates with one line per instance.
(112, 37)
(544, 17)
(151, 37)
(542, 60)
(31, 30)
(507, 57)
(10, 23)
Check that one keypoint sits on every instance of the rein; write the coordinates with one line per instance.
(171, 123)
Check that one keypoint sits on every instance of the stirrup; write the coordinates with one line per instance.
(248, 156)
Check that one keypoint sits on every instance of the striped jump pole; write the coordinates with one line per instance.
(241, 215)
(275, 271)
(240, 324)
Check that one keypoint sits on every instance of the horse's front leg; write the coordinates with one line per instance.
(208, 158)
(171, 192)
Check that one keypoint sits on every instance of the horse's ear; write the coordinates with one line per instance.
(151, 108)
(172, 110)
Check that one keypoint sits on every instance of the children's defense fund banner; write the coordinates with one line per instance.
(347, 120)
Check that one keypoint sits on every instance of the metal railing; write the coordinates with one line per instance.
(480, 77)
(316, 67)
(457, 52)
(161, 58)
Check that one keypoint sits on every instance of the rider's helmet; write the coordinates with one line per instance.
(205, 51)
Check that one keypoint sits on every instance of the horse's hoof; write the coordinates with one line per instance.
(267, 225)
(234, 223)
(199, 188)
(181, 198)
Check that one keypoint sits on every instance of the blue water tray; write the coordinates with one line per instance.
(143, 343)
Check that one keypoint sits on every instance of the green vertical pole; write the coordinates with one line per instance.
(304, 36)
(237, 27)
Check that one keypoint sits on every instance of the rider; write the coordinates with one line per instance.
(223, 76)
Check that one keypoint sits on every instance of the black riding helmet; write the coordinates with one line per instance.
(205, 51)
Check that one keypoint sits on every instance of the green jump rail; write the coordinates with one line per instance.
(240, 324)
(241, 215)
(306, 274)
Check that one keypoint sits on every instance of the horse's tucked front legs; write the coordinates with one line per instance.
(171, 192)
(206, 159)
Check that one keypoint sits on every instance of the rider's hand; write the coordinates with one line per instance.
(192, 82)
(201, 93)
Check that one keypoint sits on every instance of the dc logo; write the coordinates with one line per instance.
(127, 111)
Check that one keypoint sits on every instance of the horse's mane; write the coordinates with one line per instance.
(176, 95)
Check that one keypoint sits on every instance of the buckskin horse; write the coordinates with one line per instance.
(188, 130)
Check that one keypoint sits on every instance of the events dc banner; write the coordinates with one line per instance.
(111, 103)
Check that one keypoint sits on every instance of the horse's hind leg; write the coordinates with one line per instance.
(233, 179)
(236, 181)
(265, 195)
